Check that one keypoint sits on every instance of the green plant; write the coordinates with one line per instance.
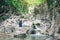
(20, 5)
(4, 17)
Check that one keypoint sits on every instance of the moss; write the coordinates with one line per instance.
(59, 11)
(4, 17)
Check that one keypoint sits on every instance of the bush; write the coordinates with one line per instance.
(20, 5)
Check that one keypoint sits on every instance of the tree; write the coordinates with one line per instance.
(19, 5)
(52, 5)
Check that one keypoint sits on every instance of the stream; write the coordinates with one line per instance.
(30, 37)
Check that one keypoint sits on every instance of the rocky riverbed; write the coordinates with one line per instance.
(11, 23)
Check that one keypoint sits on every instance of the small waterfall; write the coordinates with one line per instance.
(36, 29)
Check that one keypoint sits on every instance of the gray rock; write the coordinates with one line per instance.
(20, 35)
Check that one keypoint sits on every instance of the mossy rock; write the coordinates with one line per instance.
(59, 11)
(4, 17)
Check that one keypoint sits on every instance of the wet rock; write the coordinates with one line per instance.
(12, 22)
(4, 9)
(27, 32)
(23, 35)
(58, 39)
(58, 31)
(38, 24)
(33, 32)
(50, 38)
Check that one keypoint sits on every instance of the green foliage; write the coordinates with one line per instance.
(52, 4)
(50, 7)
(51, 15)
(2, 2)
(20, 5)
(4, 17)
(57, 3)
(59, 11)
(35, 2)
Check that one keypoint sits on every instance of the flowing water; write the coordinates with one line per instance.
(30, 37)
